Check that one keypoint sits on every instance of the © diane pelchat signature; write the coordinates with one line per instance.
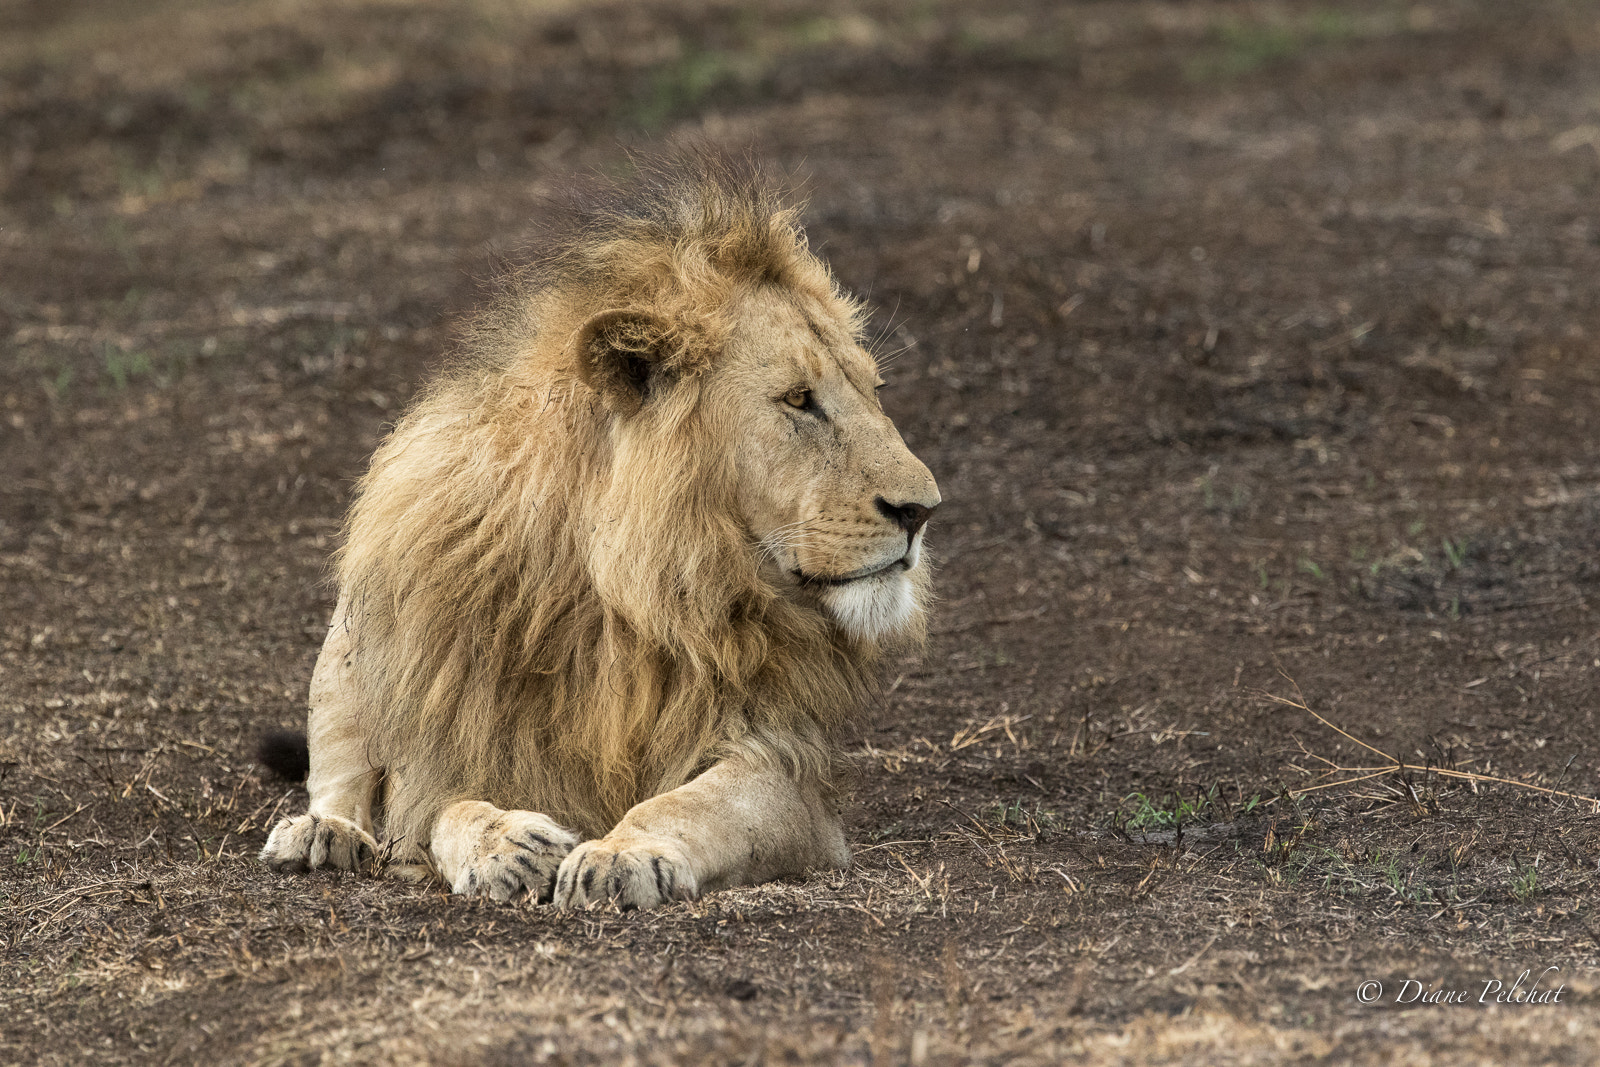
(1526, 988)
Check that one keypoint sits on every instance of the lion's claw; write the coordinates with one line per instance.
(520, 860)
(631, 872)
(312, 842)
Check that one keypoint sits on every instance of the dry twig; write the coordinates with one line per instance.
(1394, 765)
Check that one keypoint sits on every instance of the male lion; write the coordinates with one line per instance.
(620, 572)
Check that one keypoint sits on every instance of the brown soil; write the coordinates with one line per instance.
(1249, 342)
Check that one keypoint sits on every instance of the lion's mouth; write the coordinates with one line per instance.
(859, 576)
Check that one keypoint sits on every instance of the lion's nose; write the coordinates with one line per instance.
(909, 517)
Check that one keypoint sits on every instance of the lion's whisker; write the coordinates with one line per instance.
(888, 359)
(888, 327)
(786, 536)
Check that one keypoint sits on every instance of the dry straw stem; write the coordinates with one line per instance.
(1361, 774)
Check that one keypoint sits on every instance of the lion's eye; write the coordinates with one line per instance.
(798, 398)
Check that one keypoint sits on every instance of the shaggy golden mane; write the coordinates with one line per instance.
(554, 606)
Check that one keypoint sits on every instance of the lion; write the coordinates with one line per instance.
(612, 583)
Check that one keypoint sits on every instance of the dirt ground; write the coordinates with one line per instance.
(1253, 346)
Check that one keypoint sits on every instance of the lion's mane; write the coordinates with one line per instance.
(556, 607)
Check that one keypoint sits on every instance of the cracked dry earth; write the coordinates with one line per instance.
(1254, 347)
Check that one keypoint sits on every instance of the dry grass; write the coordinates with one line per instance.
(1347, 775)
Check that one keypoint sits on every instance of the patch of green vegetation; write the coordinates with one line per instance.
(160, 367)
(134, 179)
(1248, 47)
(1013, 39)
(1141, 812)
(1215, 502)
(1525, 885)
(1241, 47)
(57, 381)
(110, 368)
(680, 87)
(1292, 866)
(1307, 565)
(1015, 816)
(1288, 859)
(1397, 880)
(123, 366)
(1455, 552)
(742, 67)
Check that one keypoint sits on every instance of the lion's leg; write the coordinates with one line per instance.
(479, 848)
(733, 825)
(337, 831)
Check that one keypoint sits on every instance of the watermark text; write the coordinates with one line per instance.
(1525, 988)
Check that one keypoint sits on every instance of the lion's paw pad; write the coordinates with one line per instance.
(520, 856)
(311, 842)
(635, 872)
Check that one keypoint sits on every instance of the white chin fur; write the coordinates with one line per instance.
(872, 608)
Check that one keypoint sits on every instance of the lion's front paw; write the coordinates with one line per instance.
(518, 853)
(631, 872)
(308, 842)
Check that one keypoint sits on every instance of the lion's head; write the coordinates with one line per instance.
(833, 502)
(655, 510)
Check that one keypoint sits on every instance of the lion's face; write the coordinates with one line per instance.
(835, 500)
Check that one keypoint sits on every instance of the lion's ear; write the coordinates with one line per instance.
(619, 355)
